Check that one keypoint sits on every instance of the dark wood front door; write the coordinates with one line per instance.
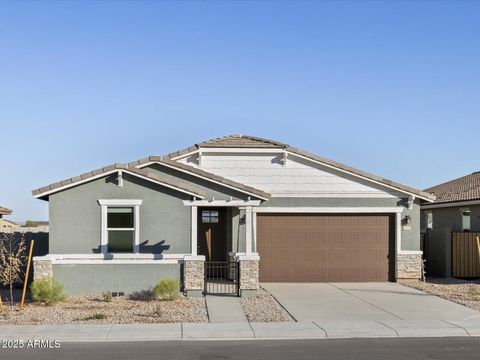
(212, 234)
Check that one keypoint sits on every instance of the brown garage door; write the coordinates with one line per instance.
(321, 247)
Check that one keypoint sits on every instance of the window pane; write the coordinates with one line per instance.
(214, 219)
(119, 218)
(120, 241)
(466, 220)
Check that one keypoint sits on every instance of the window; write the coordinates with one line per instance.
(429, 220)
(465, 219)
(209, 216)
(120, 225)
(120, 229)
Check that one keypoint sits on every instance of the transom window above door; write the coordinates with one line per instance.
(209, 216)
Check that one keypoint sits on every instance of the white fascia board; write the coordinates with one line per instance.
(114, 171)
(119, 202)
(450, 204)
(359, 176)
(201, 177)
(48, 192)
(260, 150)
(329, 210)
(221, 203)
(111, 258)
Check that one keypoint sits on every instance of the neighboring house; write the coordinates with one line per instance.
(7, 224)
(4, 211)
(280, 213)
(36, 225)
(4, 223)
(456, 209)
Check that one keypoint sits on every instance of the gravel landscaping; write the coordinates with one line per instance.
(465, 292)
(264, 308)
(121, 310)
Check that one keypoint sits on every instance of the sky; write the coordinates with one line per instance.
(392, 88)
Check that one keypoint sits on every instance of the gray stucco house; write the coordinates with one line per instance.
(279, 213)
(455, 209)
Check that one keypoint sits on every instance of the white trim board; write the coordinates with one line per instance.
(223, 203)
(141, 166)
(450, 204)
(329, 210)
(119, 202)
(99, 176)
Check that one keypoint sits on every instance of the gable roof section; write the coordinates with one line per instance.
(465, 188)
(247, 141)
(165, 161)
(351, 170)
(230, 141)
(95, 174)
(5, 211)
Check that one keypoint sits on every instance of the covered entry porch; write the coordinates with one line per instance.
(223, 256)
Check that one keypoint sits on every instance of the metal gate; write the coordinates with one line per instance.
(222, 278)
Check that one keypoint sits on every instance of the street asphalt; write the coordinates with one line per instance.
(457, 348)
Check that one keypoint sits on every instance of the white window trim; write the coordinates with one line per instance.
(105, 203)
(462, 210)
(393, 209)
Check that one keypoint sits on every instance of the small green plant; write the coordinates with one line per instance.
(167, 289)
(107, 296)
(47, 291)
(142, 295)
(97, 316)
(158, 310)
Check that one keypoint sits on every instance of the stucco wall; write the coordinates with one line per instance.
(451, 217)
(93, 279)
(75, 216)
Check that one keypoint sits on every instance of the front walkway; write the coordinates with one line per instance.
(225, 309)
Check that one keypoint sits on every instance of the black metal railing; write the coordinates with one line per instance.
(222, 277)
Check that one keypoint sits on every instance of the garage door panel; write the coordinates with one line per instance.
(315, 247)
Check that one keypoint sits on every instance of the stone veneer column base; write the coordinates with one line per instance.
(194, 275)
(249, 283)
(409, 266)
(42, 268)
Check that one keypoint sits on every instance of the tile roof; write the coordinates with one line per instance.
(196, 171)
(231, 141)
(5, 211)
(248, 141)
(464, 188)
(111, 168)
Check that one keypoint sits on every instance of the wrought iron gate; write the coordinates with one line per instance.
(222, 277)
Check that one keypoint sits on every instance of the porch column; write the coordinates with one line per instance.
(193, 231)
(248, 230)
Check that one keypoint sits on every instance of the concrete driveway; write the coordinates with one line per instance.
(384, 302)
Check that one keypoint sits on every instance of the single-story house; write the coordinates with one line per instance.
(278, 213)
(455, 209)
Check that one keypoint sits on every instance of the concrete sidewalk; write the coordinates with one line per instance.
(243, 330)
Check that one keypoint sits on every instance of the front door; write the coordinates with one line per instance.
(212, 234)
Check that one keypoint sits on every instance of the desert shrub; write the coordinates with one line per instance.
(97, 316)
(142, 295)
(167, 289)
(158, 310)
(47, 291)
(107, 296)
